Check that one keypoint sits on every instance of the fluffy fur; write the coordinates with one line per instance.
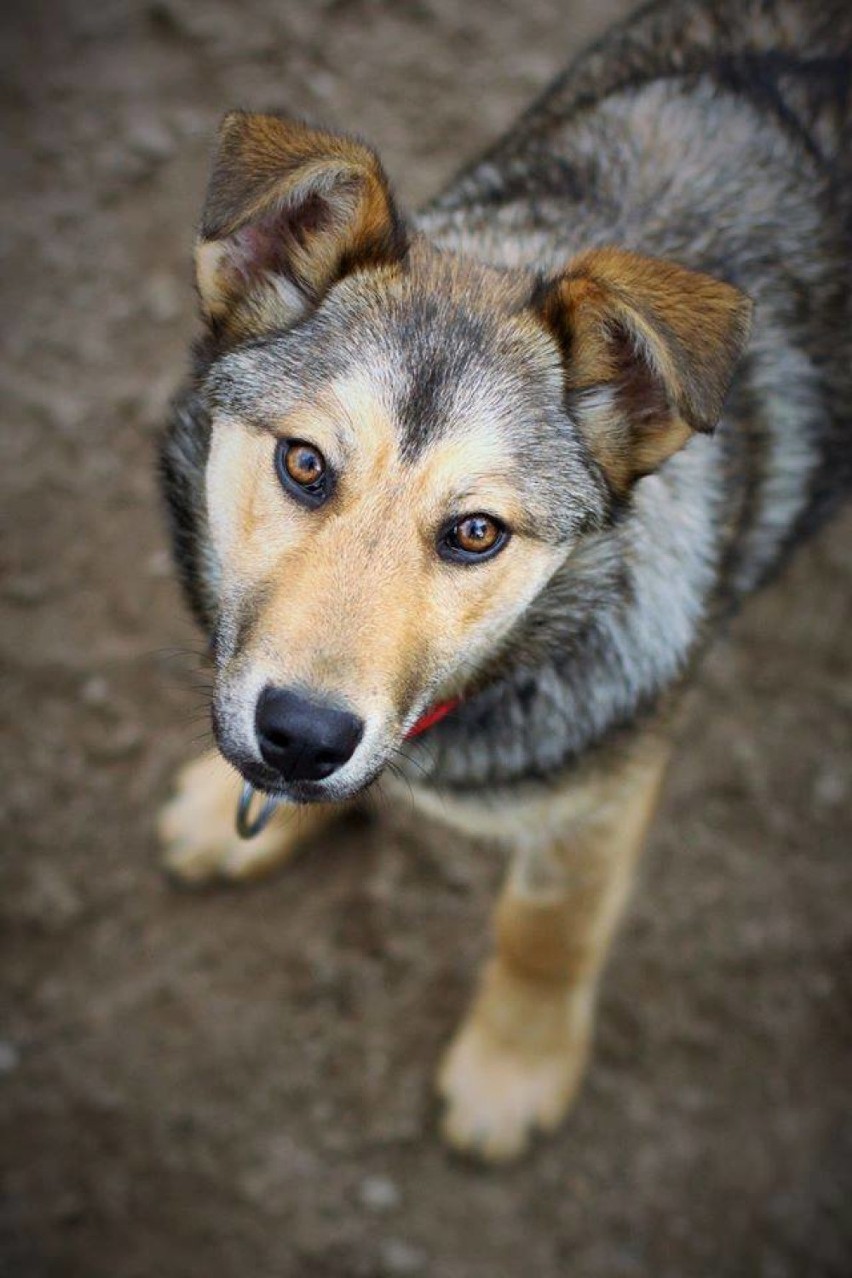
(555, 334)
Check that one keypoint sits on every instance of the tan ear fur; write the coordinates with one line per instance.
(650, 349)
(289, 210)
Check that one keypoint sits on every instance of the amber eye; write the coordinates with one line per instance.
(302, 471)
(304, 464)
(473, 538)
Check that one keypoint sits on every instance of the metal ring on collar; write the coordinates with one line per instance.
(248, 827)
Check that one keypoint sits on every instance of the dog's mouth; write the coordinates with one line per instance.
(303, 792)
(263, 791)
(266, 781)
(374, 752)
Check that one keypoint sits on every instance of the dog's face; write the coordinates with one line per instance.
(398, 463)
(390, 483)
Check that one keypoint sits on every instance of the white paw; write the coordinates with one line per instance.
(198, 833)
(498, 1093)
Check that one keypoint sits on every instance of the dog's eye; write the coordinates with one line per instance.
(302, 471)
(472, 539)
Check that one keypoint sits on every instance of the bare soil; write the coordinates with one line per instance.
(239, 1083)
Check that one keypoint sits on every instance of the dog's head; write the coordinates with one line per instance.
(407, 444)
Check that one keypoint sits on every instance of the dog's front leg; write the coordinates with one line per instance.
(518, 1059)
(198, 832)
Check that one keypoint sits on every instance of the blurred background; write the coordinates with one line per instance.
(239, 1082)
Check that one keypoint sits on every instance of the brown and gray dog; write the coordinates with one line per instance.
(460, 497)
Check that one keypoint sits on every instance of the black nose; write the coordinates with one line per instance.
(304, 740)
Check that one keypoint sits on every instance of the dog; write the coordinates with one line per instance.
(459, 498)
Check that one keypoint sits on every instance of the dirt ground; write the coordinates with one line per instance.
(239, 1083)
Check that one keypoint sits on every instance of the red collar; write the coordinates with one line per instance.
(431, 717)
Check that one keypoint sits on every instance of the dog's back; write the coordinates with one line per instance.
(718, 135)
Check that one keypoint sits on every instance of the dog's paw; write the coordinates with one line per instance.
(198, 833)
(502, 1081)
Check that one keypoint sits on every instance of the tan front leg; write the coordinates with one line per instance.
(199, 836)
(518, 1059)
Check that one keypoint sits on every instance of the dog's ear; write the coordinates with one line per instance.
(289, 210)
(649, 351)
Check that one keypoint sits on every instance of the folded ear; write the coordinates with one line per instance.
(649, 350)
(289, 210)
